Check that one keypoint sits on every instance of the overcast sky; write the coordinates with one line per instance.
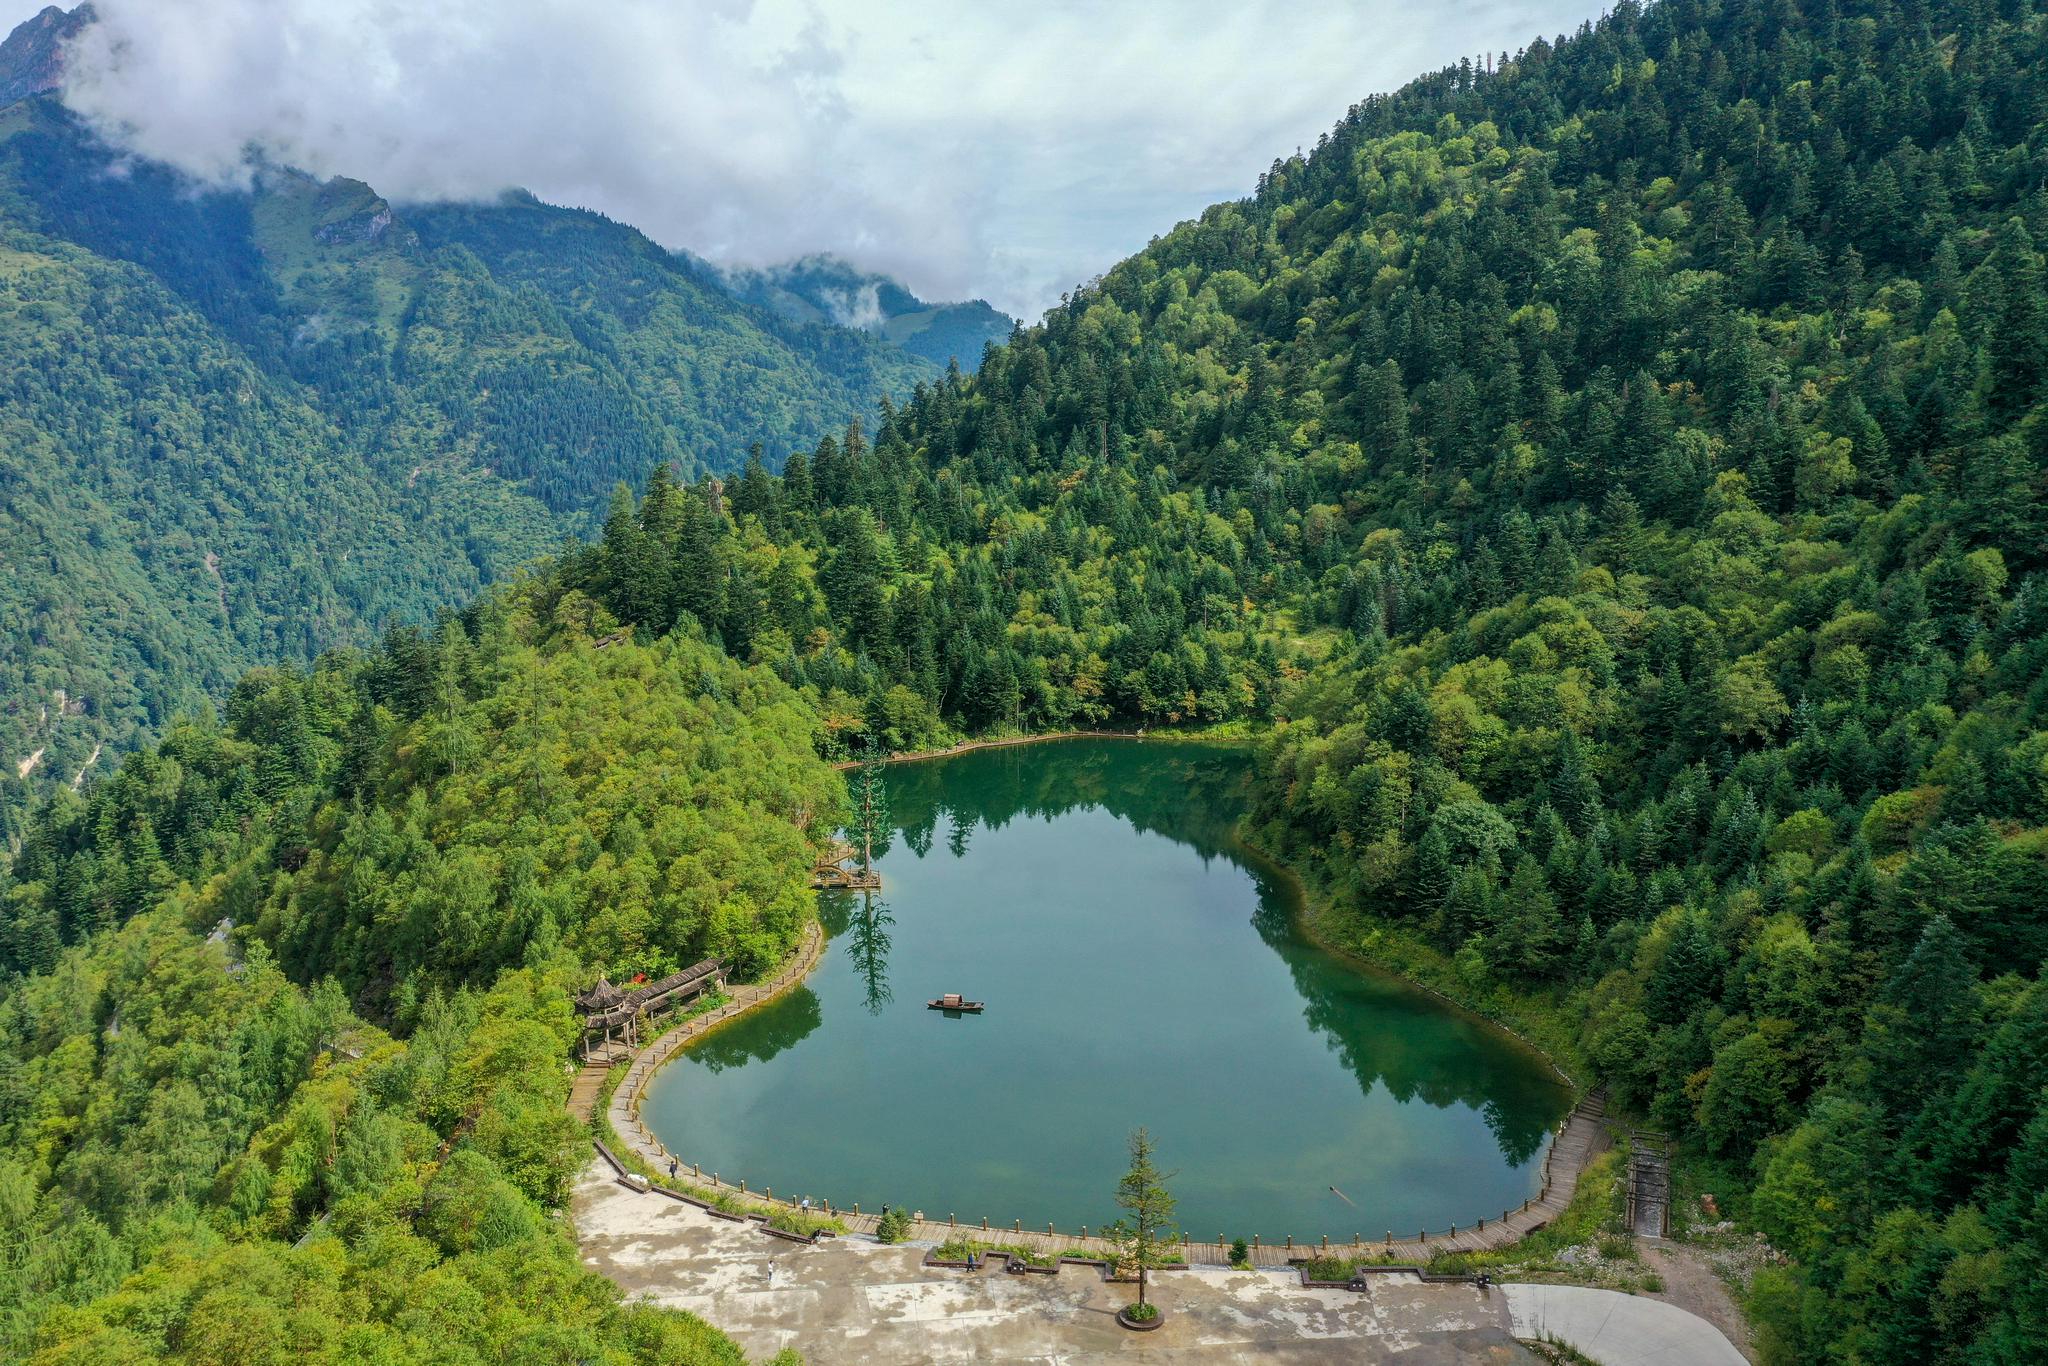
(1007, 151)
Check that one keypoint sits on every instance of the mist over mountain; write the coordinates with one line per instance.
(825, 289)
(969, 152)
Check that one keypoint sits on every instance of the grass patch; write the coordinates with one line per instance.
(1558, 1352)
(1328, 1268)
(1598, 1208)
(1617, 1247)
(959, 1249)
(805, 1225)
(965, 1249)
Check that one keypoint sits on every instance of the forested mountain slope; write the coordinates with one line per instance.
(1620, 474)
(245, 427)
(442, 840)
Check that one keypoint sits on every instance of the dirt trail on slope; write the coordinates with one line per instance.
(1692, 1285)
(220, 585)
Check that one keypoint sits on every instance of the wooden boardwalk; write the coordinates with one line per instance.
(589, 1084)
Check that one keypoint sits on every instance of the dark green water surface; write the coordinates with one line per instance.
(1139, 967)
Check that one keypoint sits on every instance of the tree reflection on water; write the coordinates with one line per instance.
(867, 944)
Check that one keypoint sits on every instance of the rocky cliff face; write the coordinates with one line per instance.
(32, 58)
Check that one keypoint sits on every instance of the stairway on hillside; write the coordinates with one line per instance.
(1649, 1184)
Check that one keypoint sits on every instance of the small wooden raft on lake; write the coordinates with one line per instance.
(952, 1001)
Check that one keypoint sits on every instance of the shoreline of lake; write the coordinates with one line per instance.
(1420, 1070)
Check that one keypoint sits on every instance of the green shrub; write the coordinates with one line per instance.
(895, 1225)
(1240, 1253)
(1616, 1248)
(1329, 1268)
(471, 1207)
(804, 1224)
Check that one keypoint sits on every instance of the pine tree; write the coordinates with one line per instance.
(2017, 346)
(1144, 1236)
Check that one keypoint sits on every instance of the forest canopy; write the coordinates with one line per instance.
(283, 1049)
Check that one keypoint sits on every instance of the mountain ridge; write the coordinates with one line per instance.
(827, 288)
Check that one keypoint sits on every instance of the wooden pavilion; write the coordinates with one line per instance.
(612, 1016)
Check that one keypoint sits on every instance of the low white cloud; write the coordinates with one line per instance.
(1002, 151)
(861, 308)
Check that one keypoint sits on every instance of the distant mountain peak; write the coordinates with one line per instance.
(32, 58)
(822, 288)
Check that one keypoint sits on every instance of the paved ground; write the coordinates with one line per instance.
(1616, 1329)
(1692, 1285)
(852, 1300)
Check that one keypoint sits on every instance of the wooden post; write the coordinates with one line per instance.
(1290, 1242)
(984, 1223)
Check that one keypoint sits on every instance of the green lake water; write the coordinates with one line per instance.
(1139, 967)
